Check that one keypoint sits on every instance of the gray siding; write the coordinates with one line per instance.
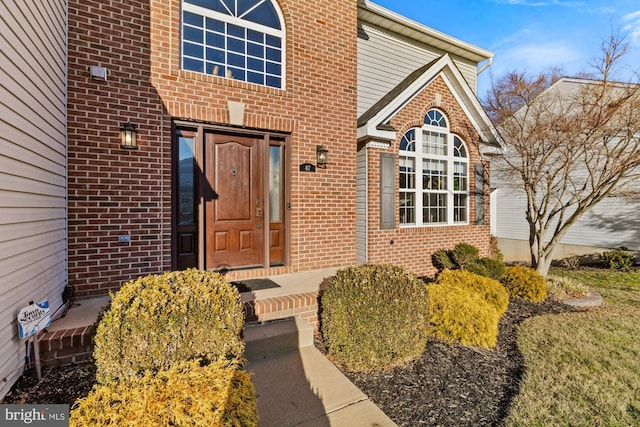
(385, 59)
(33, 166)
(613, 223)
(361, 207)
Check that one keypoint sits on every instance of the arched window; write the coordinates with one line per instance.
(433, 175)
(238, 39)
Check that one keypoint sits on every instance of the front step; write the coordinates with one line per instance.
(280, 336)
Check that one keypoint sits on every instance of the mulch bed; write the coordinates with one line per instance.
(449, 385)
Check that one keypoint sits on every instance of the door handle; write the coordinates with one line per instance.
(259, 212)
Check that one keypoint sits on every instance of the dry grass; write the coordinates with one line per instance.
(583, 368)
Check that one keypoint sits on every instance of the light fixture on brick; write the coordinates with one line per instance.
(322, 156)
(129, 136)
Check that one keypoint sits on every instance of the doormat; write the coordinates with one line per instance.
(254, 284)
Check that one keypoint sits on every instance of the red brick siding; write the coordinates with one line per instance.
(114, 192)
(412, 247)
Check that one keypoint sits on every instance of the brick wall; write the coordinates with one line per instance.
(114, 192)
(412, 247)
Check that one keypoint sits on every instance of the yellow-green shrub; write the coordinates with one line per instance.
(461, 314)
(186, 394)
(374, 317)
(525, 282)
(491, 290)
(156, 321)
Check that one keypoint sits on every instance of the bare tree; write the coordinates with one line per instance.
(570, 143)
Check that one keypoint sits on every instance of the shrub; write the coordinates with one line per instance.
(156, 321)
(571, 263)
(186, 394)
(618, 259)
(460, 314)
(525, 282)
(374, 317)
(563, 287)
(491, 290)
(493, 268)
(442, 260)
(464, 254)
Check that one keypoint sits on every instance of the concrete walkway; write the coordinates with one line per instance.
(297, 386)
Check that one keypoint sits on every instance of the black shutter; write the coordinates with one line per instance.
(387, 191)
(479, 193)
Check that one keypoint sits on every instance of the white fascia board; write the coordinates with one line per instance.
(386, 113)
(370, 132)
(471, 106)
(410, 28)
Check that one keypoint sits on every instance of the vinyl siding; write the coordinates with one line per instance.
(361, 207)
(33, 167)
(613, 223)
(385, 59)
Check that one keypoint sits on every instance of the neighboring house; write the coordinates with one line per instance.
(233, 105)
(613, 223)
(33, 168)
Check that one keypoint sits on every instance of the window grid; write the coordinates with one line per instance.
(442, 190)
(212, 45)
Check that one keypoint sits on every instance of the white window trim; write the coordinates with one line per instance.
(203, 11)
(450, 159)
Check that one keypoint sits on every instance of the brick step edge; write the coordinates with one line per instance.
(69, 346)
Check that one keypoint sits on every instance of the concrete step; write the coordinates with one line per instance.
(280, 336)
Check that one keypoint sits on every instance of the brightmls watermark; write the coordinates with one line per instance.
(34, 415)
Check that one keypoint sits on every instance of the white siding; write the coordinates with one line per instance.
(384, 60)
(361, 207)
(613, 223)
(33, 166)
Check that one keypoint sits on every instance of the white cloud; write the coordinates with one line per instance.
(534, 58)
(632, 26)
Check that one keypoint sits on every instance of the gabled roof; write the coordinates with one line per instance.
(373, 124)
(389, 20)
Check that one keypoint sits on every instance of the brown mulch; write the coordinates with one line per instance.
(449, 385)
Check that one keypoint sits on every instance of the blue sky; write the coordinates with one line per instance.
(531, 35)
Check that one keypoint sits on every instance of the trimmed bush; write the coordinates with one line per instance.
(156, 321)
(525, 282)
(489, 267)
(491, 290)
(464, 254)
(374, 317)
(442, 260)
(461, 314)
(186, 394)
(618, 259)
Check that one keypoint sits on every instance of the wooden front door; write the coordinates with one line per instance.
(233, 201)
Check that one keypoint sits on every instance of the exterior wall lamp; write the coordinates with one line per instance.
(322, 156)
(129, 136)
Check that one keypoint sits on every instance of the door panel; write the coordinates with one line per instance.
(233, 220)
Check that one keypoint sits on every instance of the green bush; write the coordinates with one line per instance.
(186, 394)
(491, 290)
(156, 321)
(461, 314)
(464, 254)
(442, 260)
(374, 317)
(493, 268)
(618, 259)
(526, 283)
